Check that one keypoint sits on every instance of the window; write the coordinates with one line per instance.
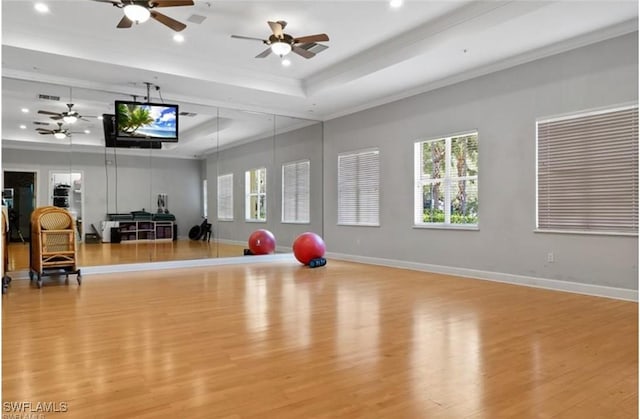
(256, 194)
(295, 192)
(358, 188)
(587, 176)
(446, 181)
(225, 197)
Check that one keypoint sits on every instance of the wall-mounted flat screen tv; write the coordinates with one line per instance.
(146, 121)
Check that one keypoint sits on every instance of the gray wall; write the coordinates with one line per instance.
(301, 144)
(139, 180)
(503, 107)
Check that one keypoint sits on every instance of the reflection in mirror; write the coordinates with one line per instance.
(138, 205)
(244, 150)
(31, 178)
(256, 187)
(298, 152)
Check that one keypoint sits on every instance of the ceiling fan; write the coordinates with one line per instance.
(281, 43)
(139, 11)
(70, 116)
(60, 133)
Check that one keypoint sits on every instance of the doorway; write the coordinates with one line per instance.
(19, 195)
(66, 191)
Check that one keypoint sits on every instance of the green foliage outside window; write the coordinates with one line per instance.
(459, 173)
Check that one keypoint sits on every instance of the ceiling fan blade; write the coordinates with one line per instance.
(170, 3)
(57, 117)
(115, 3)
(303, 52)
(168, 21)
(124, 23)
(264, 53)
(44, 131)
(311, 38)
(49, 113)
(276, 28)
(247, 37)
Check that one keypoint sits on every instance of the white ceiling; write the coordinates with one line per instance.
(376, 54)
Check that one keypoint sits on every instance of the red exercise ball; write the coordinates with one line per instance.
(262, 242)
(308, 246)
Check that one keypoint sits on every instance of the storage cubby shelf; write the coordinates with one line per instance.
(134, 231)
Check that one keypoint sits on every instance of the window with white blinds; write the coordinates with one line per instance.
(295, 192)
(225, 197)
(358, 188)
(588, 172)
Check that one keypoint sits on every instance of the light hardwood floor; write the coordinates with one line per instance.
(343, 341)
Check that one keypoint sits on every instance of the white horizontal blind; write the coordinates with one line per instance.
(295, 192)
(358, 188)
(588, 172)
(225, 197)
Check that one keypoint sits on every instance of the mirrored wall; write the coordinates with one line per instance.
(230, 173)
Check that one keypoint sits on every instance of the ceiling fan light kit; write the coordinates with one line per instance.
(69, 119)
(136, 13)
(280, 48)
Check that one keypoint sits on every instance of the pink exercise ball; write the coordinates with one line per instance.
(262, 242)
(308, 246)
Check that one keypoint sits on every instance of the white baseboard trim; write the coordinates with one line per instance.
(176, 264)
(195, 263)
(529, 281)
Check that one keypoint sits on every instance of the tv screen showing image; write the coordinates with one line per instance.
(146, 121)
(110, 140)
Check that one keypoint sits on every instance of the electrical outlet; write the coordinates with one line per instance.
(550, 257)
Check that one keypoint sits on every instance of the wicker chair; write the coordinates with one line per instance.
(53, 244)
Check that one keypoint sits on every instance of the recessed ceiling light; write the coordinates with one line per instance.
(23, 127)
(41, 7)
(25, 110)
(87, 131)
(286, 62)
(178, 37)
(100, 117)
(395, 3)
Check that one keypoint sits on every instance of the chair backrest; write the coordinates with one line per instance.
(37, 213)
(56, 220)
